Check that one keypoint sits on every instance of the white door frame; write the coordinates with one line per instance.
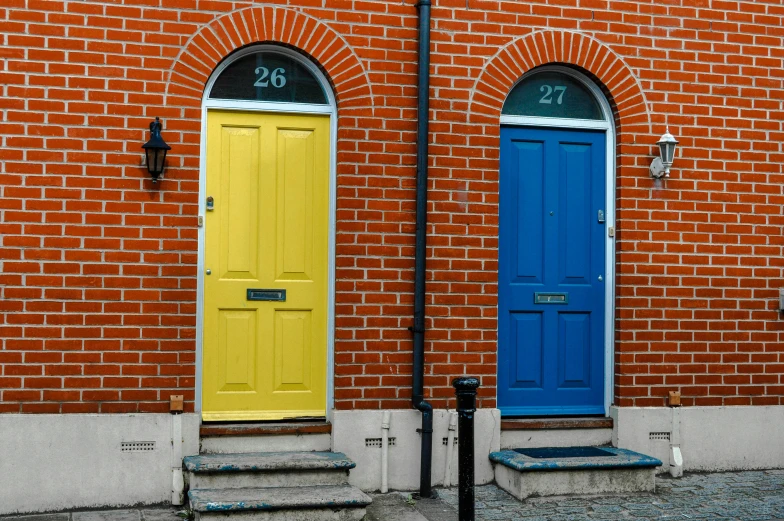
(269, 107)
(607, 124)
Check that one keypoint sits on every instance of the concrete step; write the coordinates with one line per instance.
(267, 469)
(556, 471)
(230, 438)
(555, 432)
(316, 503)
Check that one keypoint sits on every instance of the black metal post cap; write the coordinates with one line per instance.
(465, 383)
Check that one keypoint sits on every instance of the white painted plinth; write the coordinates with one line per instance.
(709, 438)
(54, 462)
(351, 428)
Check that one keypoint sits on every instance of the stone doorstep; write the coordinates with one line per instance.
(251, 437)
(624, 472)
(523, 485)
(288, 478)
(279, 498)
(267, 462)
(622, 458)
(266, 470)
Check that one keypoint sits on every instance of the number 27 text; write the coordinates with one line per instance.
(548, 94)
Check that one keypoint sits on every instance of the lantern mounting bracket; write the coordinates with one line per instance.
(657, 169)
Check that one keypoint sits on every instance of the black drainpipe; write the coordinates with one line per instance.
(423, 115)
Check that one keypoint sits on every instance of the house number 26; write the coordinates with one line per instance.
(277, 78)
(548, 94)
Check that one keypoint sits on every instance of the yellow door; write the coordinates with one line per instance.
(265, 282)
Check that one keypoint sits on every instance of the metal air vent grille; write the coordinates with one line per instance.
(137, 446)
(376, 442)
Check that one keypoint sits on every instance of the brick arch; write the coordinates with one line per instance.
(267, 24)
(550, 47)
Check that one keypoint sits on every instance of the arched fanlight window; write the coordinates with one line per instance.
(268, 76)
(551, 94)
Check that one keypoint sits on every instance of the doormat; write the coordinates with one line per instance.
(564, 452)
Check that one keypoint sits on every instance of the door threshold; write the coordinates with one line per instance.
(278, 428)
(589, 422)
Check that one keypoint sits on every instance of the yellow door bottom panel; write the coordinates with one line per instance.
(266, 266)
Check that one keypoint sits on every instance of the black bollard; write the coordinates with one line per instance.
(465, 390)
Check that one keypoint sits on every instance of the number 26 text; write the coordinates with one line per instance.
(277, 78)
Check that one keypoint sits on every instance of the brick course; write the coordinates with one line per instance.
(98, 278)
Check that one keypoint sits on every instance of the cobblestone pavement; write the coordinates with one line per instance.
(726, 496)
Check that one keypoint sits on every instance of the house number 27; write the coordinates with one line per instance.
(277, 78)
(549, 92)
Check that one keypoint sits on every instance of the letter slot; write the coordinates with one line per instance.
(267, 295)
(551, 298)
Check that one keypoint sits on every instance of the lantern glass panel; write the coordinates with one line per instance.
(155, 159)
(160, 157)
(151, 153)
(667, 150)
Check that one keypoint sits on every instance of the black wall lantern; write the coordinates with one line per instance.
(155, 149)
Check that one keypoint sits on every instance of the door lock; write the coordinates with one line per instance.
(601, 216)
(209, 272)
(210, 204)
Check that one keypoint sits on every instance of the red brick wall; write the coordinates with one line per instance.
(99, 266)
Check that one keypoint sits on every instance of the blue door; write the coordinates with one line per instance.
(551, 272)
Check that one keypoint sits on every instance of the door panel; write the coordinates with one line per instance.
(295, 203)
(527, 334)
(237, 350)
(530, 252)
(292, 351)
(574, 350)
(239, 169)
(574, 233)
(269, 177)
(551, 271)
